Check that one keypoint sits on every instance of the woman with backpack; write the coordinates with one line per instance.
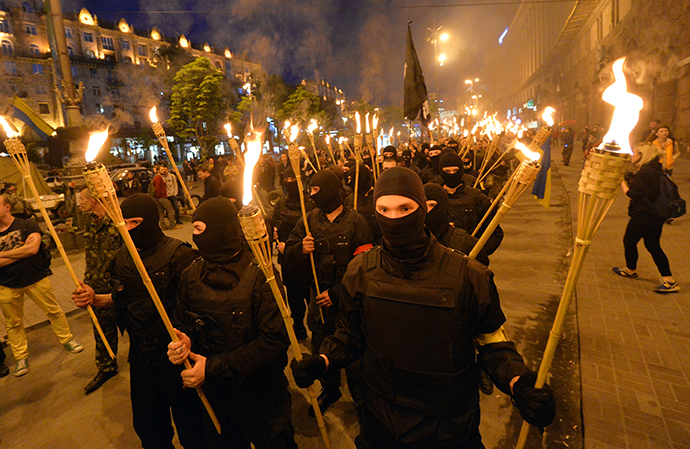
(665, 142)
(645, 223)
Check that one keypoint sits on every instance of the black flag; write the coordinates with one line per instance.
(416, 103)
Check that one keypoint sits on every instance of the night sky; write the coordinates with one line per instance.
(355, 45)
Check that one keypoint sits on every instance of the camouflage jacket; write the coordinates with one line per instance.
(102, 240)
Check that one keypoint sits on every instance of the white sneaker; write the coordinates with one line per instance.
(21, 368)
(73, 347)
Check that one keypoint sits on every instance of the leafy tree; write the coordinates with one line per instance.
(197, 103)
(301, 106)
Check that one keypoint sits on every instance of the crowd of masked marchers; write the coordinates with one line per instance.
(371, 257)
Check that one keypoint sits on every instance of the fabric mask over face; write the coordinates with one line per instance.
(403, 237)
(451, 160)
(437, 218)
(148, 233)
(291, 187)
(223, 237)
(328, 197)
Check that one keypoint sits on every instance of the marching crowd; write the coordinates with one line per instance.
(393, 300)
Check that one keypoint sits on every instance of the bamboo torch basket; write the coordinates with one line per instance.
(102, 189)
(598, 185)
(294, 155)
(524, 176)
(17, 151)
(254, 228)
(313, 146)
(163, 139)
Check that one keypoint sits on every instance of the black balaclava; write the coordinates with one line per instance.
(403, 238)
(366, 179)
(222, 238)
(390, 150)
(434, 160)
(407, 157)
(437, 218)
(148, 233)
(451, 159)
(328, 197)
(291, 187)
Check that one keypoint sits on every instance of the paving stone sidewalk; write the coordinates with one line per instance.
(634, 343)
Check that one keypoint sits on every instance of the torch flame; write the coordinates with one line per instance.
(359, 125)
(547, 116)
(312, 126)
(531, 155)
(287, 124)
(328, 139)
(153, 116)
(366, 120)
(228, 128)
(294, 131)
(375, 122)
(251, 157)
(11, 133)
(390, 133)
(626, 112)
(96, 141)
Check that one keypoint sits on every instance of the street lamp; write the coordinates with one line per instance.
(441, 59)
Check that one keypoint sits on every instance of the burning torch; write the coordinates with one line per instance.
(16, 149)
(602, 175)
(254, 228)
(102, 189)
(163, 139)
(310, 132)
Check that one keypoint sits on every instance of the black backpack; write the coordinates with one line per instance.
(669, 204)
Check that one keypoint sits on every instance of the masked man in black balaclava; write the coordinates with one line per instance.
(401, 304)
(154, 381)
(286, 214)
(467, 205)
(447, 234)
(432, 170)
(365, 195)
(230, 319)
(406, 161)
(337, 235)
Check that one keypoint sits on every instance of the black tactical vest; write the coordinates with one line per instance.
(418, 353)
(465, 209)
(221, 320)
(333, 247)
(135, 309)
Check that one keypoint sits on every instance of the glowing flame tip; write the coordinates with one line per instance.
(153, 116)
(96, 141)
(11, 133)
(548, 115)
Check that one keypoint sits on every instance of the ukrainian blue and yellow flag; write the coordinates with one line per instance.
(542, 184)
(23, 112)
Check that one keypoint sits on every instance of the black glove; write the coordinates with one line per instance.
(537, 405)
(308, 370)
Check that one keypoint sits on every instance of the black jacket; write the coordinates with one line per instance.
(467, 207)
(644, 190)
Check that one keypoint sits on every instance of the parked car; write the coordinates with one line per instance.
(143, 174)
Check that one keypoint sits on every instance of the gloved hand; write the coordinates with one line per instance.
(537, 405)
(308, 370)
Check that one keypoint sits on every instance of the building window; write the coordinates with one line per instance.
(30, 29)
(125, 44)
(94, 73)
(218, 65)
(3, 6)
(68, 33)
(75, 72)
(43, 108)
(96, 91)
(99, 108)
(108, 43)
(10, 68)
(41, 90)
(34, 50)
(26, 7)
(143, 50)
(70, 51)
(228, 67)
(88, 37)
(37, 68)
(128, 60)
(90, 54)
(7, 48)
(115, 93)
(4, 26)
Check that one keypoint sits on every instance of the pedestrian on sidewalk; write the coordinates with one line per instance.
(670, 148)
(160, 192)
(102, 240)
(643, 190)
(24, 269)
(567, 137)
